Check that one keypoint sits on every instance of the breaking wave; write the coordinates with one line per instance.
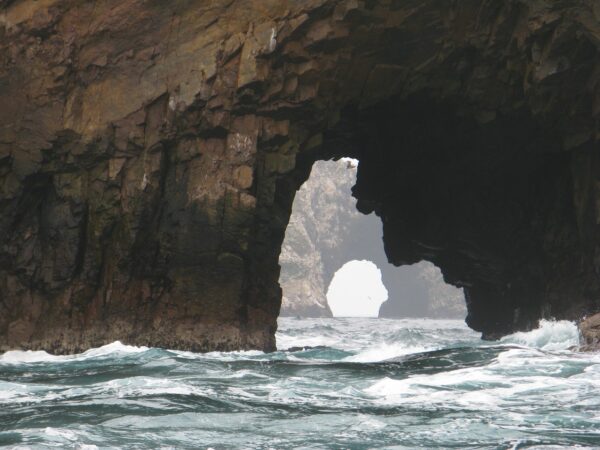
(113, 349)
(551, 335)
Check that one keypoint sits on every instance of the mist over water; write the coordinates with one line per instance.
(366, 383)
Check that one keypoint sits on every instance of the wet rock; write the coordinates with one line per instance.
(589, 329)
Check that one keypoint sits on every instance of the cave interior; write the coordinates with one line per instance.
(490, 203)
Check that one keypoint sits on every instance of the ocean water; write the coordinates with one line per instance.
(365, 383)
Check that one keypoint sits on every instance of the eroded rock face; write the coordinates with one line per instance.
(150, 152)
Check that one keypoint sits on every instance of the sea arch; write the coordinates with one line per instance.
(149, 171)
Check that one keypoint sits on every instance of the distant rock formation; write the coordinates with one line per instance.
(326, 231)
(420, 290)
(321, 222)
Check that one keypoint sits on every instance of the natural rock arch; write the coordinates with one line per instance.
(325, 231)
(149, 156)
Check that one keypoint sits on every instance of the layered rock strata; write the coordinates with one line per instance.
(150, 152)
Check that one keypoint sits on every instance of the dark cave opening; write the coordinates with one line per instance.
(488, 199)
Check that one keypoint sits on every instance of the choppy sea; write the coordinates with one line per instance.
(358, 384)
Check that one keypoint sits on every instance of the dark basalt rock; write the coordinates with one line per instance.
(150, 152)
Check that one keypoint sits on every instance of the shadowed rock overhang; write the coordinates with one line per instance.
(150, 152)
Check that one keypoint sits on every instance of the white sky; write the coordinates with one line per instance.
(356, 290)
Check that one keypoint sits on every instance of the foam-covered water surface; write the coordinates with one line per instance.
(343, 383)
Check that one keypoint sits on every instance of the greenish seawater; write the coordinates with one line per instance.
(367, 383)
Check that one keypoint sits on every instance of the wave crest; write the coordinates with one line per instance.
(551, 335)
(37, 356)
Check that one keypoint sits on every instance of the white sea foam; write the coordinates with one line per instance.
(115, 347)
(244, 374)
(475, 389)
(10, 391)
(19, 357)
(373, 340)
(551, 335)
(144, 386)
(60, 433)
(221, 356)
(535, 370)
(386, 351)
(29, 356)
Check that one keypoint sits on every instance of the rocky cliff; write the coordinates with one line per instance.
(150, 152)
(326, 231)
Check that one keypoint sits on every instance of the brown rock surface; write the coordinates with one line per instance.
(126, 129)
(589, 329)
